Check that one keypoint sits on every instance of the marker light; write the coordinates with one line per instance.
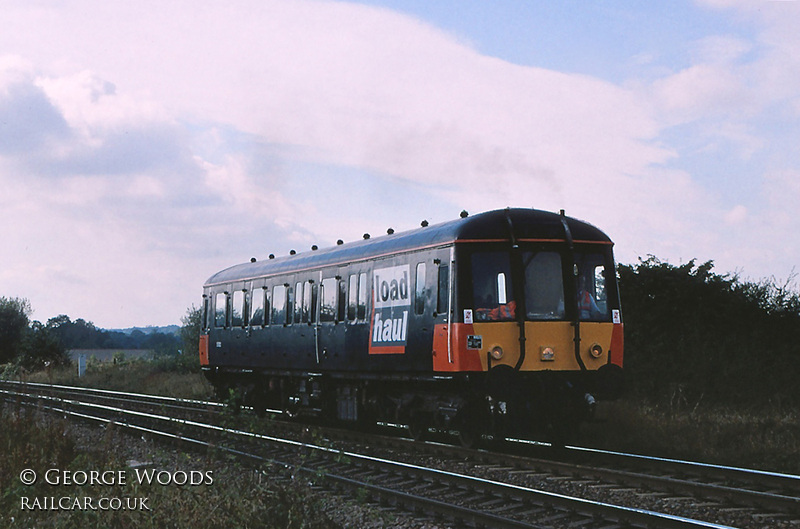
(596, 350)
(497, 353)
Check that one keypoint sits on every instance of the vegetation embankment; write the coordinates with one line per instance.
(712, 364)
(66, 498)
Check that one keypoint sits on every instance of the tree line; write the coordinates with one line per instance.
(33, 345)
(691, 335)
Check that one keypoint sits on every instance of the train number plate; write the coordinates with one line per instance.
(474, 341)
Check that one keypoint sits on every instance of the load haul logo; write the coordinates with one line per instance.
(391, 305)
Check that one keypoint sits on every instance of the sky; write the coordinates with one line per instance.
(146, 145)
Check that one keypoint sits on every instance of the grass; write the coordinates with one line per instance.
(238, 497)
(766, 438)
(234, 498)
(175, 376)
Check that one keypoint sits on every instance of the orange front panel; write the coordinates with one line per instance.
(460, 357)
(617, 345)
(203, 349)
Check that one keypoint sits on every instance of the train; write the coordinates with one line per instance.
(504, 323)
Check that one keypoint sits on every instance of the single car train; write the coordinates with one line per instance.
(505, 323)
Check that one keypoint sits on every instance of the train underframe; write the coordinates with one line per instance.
(497, 404)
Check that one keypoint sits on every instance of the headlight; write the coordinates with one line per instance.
(497, 353)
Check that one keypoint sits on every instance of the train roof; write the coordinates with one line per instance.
(528, 224)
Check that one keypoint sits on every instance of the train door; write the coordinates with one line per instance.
(239, 347)
(329, 320)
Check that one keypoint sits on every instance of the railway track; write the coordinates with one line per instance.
(466, 487)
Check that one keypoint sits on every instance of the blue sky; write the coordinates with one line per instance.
(146, 145)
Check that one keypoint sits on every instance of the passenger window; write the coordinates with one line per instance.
(298, 302)
(352, 298)
(363, 292)
(312, 312)
(237, 312)
(267, 306)
(257, 307)
(342, 304)
(419, 294)
(327, 311)
(221, 310)
(279, 305)
(444, 289)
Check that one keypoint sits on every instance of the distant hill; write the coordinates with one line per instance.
(166, 329)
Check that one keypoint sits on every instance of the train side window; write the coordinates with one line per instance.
(352, 299)
(267, 306)
(444, 289)
(237, 309)
(363, 293)
(342, 302)
(257, 307)
(298, 302)
(205, 318)
(419, 294)
(311, 309)
(327, 311)
(278, 305)
(221, 310)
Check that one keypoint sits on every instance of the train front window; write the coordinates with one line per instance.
(592, 289)
(221, 310)
(544, 285)
(491, 286)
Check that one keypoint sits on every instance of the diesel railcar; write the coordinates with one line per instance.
(502, 323)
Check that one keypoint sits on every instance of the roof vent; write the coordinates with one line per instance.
(314, 248)
(424, 223)
(464, 214)
(339, 242)
(272, 256)
(292, 252)
(366, 236)
(252, 259)
(390, 231)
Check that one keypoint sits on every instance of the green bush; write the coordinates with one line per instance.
(691, 334)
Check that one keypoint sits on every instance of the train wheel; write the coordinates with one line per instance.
(417, 426)
(469, 436)
(470, 420)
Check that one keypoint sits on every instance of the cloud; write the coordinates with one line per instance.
(173, 139)
(29, 122)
